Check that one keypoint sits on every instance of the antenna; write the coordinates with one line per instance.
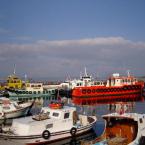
(80, 75)
(85, 72)
(128, 73)
(25, 77)
(14, 69)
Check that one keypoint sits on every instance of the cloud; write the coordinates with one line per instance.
(62, 57)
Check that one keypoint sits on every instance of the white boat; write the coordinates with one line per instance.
(54, 123)
(11, 109)
(121, 129)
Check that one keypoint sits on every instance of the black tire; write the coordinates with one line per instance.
(46, 134)
(73, 131)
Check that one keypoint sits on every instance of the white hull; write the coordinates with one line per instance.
(29, 140)
(17, 113)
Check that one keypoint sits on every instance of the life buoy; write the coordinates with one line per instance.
(46, 134)
(1, 114)
(73, 131)
(84, 91)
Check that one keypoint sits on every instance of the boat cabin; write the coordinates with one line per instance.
(117, 80)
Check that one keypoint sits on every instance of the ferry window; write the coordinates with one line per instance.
(49, 126)
(66, 115)
(38, 92)
(34, 92)
(39, 85)
(98, 83)
(77, 84)
(140, 120)
(55, 114)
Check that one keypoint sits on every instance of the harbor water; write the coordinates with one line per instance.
(98, 110)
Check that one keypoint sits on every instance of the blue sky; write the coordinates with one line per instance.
(56, 38)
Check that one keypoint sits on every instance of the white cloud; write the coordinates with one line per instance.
(61, 57)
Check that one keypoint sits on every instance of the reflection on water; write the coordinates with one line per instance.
(77, 140)
(98, 110)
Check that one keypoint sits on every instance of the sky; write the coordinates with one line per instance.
(56, 39)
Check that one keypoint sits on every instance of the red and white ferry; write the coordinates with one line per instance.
(116, 88)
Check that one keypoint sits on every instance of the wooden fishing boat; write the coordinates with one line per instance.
(116, 88)
(49, 126)
(121, 129)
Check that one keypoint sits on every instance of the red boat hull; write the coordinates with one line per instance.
(100, 94)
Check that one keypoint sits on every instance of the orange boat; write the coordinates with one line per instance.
(118, 88)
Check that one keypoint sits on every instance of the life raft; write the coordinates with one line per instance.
(56, 105)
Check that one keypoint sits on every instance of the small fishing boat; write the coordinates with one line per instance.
(121, 129)
(52, 124)
(12, 109)
(117, 88)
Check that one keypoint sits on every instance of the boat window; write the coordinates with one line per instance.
(66, 115)
(49, 126)
(55, 114)
(6, 107)
(39, 92)
(140, 120)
